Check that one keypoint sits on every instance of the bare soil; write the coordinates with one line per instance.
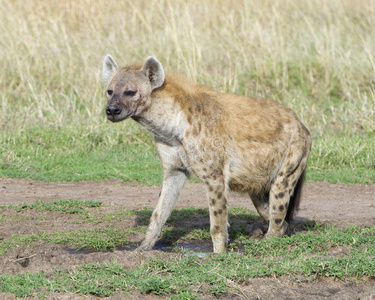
(338, 204)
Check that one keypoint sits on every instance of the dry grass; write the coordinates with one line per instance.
(315, 56)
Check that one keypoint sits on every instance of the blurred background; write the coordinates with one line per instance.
(316, 57)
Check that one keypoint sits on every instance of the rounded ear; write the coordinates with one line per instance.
(154, 72)
(109, 68)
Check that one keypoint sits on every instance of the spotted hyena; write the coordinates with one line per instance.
(230, 142)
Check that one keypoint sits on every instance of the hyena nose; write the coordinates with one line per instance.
(113, 110)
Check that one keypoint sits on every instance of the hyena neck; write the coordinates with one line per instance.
(177, 108)
(165, 119)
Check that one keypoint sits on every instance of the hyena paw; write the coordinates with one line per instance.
(146, 245)
(277, 230)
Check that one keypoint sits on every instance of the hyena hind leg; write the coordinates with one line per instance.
(218, 214)
(261, 203)
(284, 200)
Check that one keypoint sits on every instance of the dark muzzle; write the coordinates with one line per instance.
(113, 110)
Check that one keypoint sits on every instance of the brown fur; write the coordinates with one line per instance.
(230, 142)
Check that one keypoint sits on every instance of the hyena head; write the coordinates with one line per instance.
(129, 89)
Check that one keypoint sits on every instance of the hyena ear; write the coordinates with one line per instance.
(109, 68)
(154, 72)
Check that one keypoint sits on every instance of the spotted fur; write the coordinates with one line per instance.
(230, 142)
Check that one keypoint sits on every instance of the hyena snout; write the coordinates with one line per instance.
(113, 110)
(117, 113)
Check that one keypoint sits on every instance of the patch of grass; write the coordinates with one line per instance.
(71, 155)
(305, 255)
(21, 286)
(70, 206)
(97, 239)
(343, 158)
(119, 215)
(102, 239)
(17, 240)
(312, 242)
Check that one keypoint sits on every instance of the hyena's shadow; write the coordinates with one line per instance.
(300, 224)
(182, 225)
(193, 224)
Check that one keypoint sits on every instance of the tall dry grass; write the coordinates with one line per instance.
(315, 56)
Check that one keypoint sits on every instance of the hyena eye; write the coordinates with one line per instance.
(110, 92)
(130, 93)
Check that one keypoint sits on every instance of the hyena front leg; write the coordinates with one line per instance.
(218, 214)
(174, 178)
(172, 185)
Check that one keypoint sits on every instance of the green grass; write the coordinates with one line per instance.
(72, 155)
(306, 255)
(71, 206)
(344, 158)
(95, 239)
(91, 239)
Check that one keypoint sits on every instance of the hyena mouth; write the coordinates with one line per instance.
(115, 113)
(119, 118)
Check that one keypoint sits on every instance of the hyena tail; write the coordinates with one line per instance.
(295, 199)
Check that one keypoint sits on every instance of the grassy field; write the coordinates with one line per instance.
(315, 57)
(315, 252)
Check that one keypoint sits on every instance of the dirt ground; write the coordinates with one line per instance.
(339, 204)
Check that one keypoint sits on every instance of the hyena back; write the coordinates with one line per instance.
(230, 142)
